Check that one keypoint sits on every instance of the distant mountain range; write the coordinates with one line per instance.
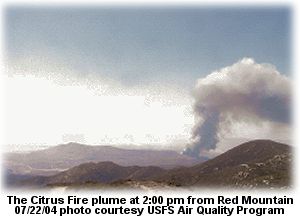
(53, 160)
(258, 163)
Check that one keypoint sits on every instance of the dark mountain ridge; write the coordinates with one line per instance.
(254, 163)
(258, 163)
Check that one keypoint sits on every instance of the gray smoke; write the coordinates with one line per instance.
(244, 92)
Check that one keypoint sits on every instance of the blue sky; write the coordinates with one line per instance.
(134, 68)
(147, 45)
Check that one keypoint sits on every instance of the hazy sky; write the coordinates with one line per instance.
(125, 75)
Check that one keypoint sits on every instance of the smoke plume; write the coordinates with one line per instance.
(244, 92)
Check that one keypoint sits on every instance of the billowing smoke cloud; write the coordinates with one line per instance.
(244, 92)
